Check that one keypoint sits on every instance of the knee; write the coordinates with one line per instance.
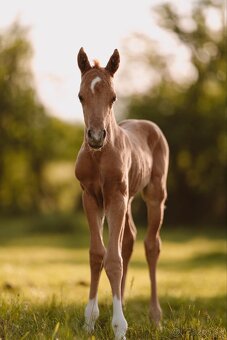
(152, 247)
(160, 196)
(96, 257)
(113, 265)
(156, 192)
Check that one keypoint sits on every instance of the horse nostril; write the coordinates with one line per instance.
(89, 133)
(96, 137)
(104, 134)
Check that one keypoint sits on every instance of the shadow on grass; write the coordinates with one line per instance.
(201, 318)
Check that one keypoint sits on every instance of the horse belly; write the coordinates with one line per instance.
(140, 175)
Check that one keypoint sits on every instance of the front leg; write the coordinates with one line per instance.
(94, 213)
(116, 207)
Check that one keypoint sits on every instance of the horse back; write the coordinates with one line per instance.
(143, 133)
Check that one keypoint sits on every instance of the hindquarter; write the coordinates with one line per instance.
(156, 192)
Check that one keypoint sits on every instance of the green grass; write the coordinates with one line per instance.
(44, 283)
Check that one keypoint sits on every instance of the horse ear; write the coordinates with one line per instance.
(113, 63)
(83, 61)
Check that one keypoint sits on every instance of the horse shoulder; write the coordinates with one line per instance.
(114, 170)
(84, 169)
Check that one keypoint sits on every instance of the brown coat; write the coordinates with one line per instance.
(114, 163)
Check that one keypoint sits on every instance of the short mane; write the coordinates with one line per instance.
(96, 64)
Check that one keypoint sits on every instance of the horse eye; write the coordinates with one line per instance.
(80, 98)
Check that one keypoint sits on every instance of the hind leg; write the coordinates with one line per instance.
(129, 237)
(154, 195)
(155, 198)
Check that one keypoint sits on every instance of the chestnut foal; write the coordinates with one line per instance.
(114, 163)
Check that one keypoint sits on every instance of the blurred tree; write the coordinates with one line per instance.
(29, 138)
(191, 113)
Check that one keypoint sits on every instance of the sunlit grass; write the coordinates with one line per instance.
(44, 284)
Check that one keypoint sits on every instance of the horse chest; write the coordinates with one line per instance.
(99, 181)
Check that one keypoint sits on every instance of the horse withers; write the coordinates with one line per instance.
(114, 163)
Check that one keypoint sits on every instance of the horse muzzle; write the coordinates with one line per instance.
(96, 138)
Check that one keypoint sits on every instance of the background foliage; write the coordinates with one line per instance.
(191, 112)
(30, 138)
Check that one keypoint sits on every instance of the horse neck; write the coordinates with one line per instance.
(113, 128)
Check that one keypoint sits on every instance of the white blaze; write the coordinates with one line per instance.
(94, 82)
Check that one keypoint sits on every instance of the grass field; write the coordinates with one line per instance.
(44, 282)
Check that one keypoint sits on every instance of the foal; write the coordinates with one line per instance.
(114, 163)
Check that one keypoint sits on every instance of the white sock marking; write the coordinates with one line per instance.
(119, 323)
(94, 82)
(91, 314)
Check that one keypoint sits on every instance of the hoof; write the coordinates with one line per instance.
(120, 328)
(91, 315)
(89, 328)
(156, 315)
